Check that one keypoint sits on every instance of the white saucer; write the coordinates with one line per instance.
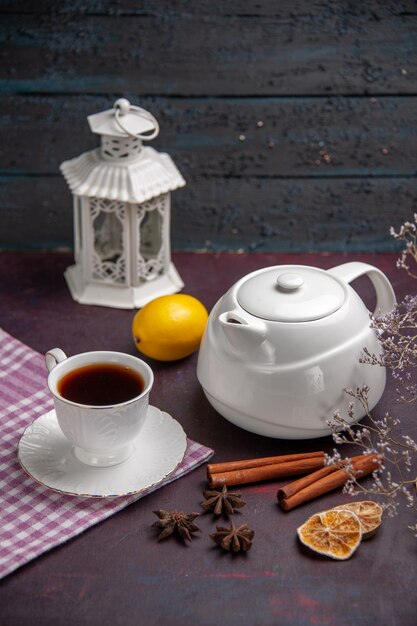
(46, 455)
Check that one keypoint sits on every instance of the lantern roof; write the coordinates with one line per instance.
(122, 169)
(124, 120)
(149, 175)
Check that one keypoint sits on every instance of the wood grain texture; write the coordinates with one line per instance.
(335, 51)
(330, 136)
(231, 213)
(247, 8)
(293, 122)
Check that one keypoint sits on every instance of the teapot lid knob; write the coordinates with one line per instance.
(290, 281)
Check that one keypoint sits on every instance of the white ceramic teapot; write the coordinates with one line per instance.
(285, 341)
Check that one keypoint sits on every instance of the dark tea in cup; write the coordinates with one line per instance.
(101, 384)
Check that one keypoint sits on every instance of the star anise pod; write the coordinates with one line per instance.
(176, 522)
(222, 501)
(234, 539)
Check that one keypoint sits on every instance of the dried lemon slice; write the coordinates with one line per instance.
(335, 533)
(369, 514)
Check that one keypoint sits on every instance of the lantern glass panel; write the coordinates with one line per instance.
(109, 258)
(150, 235)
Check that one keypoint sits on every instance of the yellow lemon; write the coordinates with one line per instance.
(170, 327)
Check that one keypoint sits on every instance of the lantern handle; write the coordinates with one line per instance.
(123, 106)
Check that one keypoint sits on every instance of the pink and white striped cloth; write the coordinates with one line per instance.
(34, 519)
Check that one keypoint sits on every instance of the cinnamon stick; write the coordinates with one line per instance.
(230, 466)
(321, 482)
(266, 472)
(305, 481)
(292, 488)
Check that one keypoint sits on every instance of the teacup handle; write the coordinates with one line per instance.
(53, 357)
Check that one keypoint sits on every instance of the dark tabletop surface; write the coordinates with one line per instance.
(116, 573)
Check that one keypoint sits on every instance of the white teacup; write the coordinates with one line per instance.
(102, 435)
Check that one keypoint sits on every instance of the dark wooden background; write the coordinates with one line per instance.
(293, 121)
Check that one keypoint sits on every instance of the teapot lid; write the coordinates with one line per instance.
(291, 293)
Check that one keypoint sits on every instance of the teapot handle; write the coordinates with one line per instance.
(385, 296)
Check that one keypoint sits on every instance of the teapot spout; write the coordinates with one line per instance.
(244, 332)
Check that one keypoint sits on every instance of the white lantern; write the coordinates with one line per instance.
(121, 197)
